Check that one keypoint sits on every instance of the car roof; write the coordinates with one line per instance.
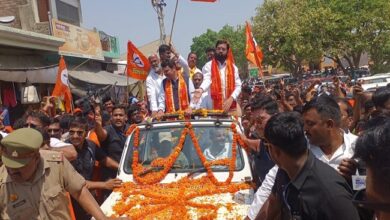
(374, 77)
(199, 121)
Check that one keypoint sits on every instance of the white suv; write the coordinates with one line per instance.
(187, 190)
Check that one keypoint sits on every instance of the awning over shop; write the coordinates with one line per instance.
(83, 82)
(41, 75)
(100, 77)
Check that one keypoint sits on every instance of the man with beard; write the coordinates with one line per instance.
(191, 60)
(221, 79)
(153, 83)
(112, 138)
(87, 154)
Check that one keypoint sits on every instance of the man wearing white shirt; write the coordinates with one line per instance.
(153, 83)
(328, 142)
(219, 149)
(205, 101)
(223, 94)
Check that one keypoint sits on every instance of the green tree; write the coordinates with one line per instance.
(303, 31)
(236, 38)
(280, 27)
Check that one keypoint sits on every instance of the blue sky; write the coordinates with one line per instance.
(137, 21)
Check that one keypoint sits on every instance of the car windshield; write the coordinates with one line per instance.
(215, 143)
(377, 80)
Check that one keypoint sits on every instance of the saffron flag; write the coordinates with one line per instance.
(253, 52)
(61, 89)
(137, 64)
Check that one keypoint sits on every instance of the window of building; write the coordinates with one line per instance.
(67, 13)
(43, 9)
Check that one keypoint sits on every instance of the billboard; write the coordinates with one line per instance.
(110, 45)
(79, 42)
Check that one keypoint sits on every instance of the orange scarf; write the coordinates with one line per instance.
(216, 84)
(183, 95)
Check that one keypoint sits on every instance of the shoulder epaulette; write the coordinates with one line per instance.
(52, 156)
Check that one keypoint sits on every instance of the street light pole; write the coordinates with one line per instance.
(158, 7)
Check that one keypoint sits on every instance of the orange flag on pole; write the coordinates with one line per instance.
(137, 64)
(253, 52)
(61, 89)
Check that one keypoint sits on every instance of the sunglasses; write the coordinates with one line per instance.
(360, 200)
(29, 126)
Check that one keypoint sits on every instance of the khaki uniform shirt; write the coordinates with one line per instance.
(45, 196)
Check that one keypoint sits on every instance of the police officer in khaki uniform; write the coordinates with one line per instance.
(33, 183)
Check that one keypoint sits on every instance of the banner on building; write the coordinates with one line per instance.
(79, 42)
(110, 45)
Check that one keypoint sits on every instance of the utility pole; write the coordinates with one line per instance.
(158, 7)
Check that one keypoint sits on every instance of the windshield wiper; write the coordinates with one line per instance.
(196, 171)
(203, 169)
(152, 169)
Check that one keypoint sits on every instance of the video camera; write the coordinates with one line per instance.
(92, 98)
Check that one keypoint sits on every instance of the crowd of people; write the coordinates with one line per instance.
(309, 144)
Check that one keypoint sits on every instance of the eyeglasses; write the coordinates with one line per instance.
(29, 125)
(79, 133)
(360, 200)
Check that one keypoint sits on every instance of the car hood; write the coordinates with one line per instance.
(230, 205)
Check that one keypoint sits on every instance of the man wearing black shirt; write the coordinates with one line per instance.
(305, 187)
(112, 137)
(87, 154)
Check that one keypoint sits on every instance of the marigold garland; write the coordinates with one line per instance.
(149, 198)
(180, 114)
(166, 200)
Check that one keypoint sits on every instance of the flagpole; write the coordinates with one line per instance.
(127, 86)
(173, 22)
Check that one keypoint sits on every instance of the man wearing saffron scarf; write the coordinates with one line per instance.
(174, 92)
(222, 78)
